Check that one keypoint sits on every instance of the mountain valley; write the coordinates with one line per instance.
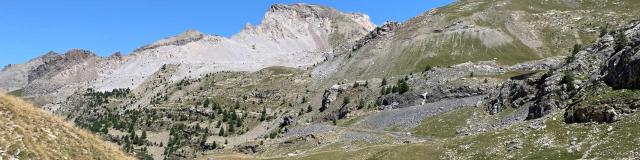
(476, 79)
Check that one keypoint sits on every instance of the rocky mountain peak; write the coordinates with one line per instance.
(48, 56)
(50, 53)
(78, 54)
(299, 7)
(280, 15)
(183, 38)
(325, 27)
(280, 18)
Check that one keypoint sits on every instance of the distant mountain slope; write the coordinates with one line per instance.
(28, 133)
(297, 35)
(289, 35)
(507, 31)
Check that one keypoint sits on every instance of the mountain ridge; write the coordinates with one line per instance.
(248, 50)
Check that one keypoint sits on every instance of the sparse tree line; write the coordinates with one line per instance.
(401, 87)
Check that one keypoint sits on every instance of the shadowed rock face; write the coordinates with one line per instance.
(624, 71)
(623, 68)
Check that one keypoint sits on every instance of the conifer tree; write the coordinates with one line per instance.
(221, 132)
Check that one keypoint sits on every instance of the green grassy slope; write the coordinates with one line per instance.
(446, 36)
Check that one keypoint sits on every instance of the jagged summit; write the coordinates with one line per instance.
(78, 54)
(298, 9)
(291, 21)
(50, 53)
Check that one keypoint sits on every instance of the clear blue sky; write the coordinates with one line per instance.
(29, 28)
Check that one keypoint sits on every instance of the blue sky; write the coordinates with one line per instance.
(29, 28)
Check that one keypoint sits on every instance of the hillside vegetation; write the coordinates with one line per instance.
(29, 133)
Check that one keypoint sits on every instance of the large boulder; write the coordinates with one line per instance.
(249, 149)
(582, 114)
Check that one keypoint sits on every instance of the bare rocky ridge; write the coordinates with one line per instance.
(182, 39)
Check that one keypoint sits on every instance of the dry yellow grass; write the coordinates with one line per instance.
(27, 132)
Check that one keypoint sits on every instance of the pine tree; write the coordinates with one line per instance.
(403, 87)
(137, 140)
(309, 109)
(206, 103)
(428, 68)
(346, 100)
(221, 132)
(234, 115)
(263, 114)
(203, 140)
(576, 49)
(127, 146)
(603, 31)
(231, 129)
(620, 41)
(144, 135)
(239, 122)
(568, 79)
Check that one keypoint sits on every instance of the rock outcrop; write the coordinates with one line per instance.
(623, 68)
(57, 63)
(513, 93)
(383, 30)
(331, 95)
(345, 111)
(570, 85)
